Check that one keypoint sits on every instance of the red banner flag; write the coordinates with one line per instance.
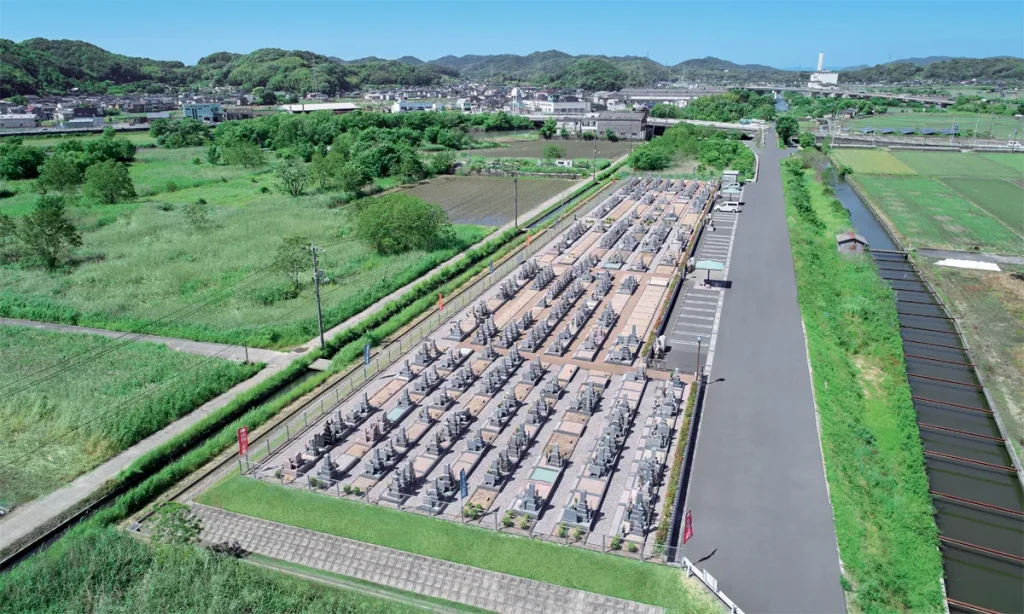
(529, 238)
(440, 301)
(243, 440)
(688, 527)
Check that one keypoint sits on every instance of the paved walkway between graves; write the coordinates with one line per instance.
(402, 570)
(237, 353)
(761, 512)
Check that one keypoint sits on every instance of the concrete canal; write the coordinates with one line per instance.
(975, 487)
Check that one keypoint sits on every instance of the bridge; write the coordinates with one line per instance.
(934, 100)
(664, 123)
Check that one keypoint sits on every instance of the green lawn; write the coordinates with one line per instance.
(945, 164)
(883, 514)
(566, 566)
(872, 161)
(1001, 198)
(925, 213)
(58, 428)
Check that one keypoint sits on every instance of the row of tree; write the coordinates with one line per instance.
(728, 107)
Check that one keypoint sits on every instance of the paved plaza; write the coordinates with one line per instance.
(410, 572)
(536, 393)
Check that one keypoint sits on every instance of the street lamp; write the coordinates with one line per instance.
(699, 339)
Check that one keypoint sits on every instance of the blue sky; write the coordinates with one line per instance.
(850, 33)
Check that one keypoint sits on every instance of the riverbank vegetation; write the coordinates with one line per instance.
(874, 462)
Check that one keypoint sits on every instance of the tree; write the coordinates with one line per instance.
(324, 169)
(293, 259)
(399, 222)
(213, 154)
(267, 98)
(588, 136)
(174, 523)
(564, 133)
(60, 173)
(610, 135)
(47, 231)
(18, 161)
(352, 177)
(553, 152)
(442, 163)
(197, 213)
(292, 177)
(786, 127)
(549, 128)
(806, 140)
(243, 153)
(109, 182)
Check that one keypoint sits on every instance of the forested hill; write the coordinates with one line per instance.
(1000, 69)
(592, 72)
(41, 66)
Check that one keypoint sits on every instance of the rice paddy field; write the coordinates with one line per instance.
(487, 200)
(962, 201)
(58, 428)
(141, 261)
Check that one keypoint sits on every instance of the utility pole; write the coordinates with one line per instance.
(595, 161)
(318, 278)
(515, 186)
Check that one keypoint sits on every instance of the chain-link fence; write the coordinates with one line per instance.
(343, 389)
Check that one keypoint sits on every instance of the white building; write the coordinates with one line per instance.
(85, 122)
(548, 107)
(405, 106)
(18, 120)
(823, 79)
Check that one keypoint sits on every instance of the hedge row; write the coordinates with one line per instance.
(661, 535)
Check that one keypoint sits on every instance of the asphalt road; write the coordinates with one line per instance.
(760, 507)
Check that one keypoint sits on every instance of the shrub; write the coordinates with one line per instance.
(632, 547)
(400, 222)
(109, 182)
(347, 489)
(524, 523)
(616, 542)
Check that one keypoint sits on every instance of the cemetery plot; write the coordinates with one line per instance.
(531, 402)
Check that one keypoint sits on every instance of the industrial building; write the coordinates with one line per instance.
(631, 126)
(18, 120)
(823, 79)
(209, 112)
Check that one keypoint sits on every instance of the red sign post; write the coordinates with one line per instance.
(688, 527)
(243, 440)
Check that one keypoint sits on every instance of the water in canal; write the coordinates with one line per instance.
(977, 495)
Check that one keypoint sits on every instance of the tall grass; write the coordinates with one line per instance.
(874, 463)
(106, 404)
(148, 262)
(105, 570)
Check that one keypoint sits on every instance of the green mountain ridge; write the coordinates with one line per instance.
(43, 66)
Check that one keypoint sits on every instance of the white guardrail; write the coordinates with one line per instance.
(712, 584)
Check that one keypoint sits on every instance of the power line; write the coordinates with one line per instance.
(141, 394)
(127, 338)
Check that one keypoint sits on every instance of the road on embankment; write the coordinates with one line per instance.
(761, 512)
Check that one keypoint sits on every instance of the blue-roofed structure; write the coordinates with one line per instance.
(927, 130)
(947, 131)
(887, 130)
(867, 130)
(907, 130)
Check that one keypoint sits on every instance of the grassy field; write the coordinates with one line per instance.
(945, 164)
(872, 161)
(948, 200)
(869, 437)
(139, 137)
(59, 428)
(1013, 161)
(1003, 199)
(106, 570)
(990, 308)
(487, 200)
(565, 566)
(141, 260)
(574, 149)
(1002, 125)
(925, 213)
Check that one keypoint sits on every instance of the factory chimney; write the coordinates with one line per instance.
(821, 60)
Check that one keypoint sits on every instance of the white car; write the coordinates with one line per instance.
(728, 208)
